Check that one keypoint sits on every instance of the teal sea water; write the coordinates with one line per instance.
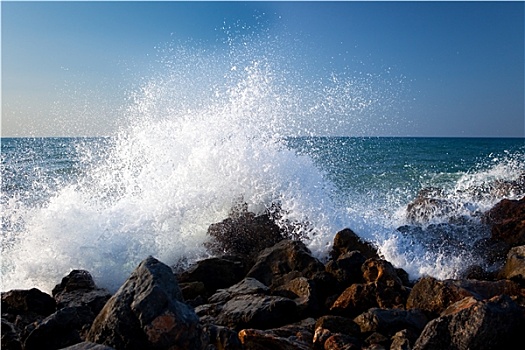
(103, 204)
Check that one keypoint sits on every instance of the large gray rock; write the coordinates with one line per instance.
(283, 262)
(257, 311)
(148, 312)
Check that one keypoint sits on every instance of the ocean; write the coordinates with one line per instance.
(104, 204)
(205, 131)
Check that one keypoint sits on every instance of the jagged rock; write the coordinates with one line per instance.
(10, 336)
(403, 340)
(284, 261)
(214, 273)
(429, 203)
(65, 327)
(79, 289)
(355, 299)
(223, 338)
(243, 234)
(329, 325)
(434, 296)
(303, 291)
(346, 241)
(148, 312)
(257, 311)
(514, 268)
(247, 286)
(340, 341)
(507, 221)
(497, 323)
(88, 346)
(347, 268)
(380, 271)
(20, 301)
(390, 321)
(293, 336)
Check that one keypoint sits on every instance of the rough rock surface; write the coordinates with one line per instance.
(148, 312)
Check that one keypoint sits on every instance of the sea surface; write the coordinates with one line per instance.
(104, 204)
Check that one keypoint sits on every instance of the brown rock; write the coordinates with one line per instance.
(287, 257)
(346, 241)
(507, 220)
(497, 323)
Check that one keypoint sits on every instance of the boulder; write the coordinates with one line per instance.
(243, 234)
(347, 268)
(257, 311)
(214, 273)
(514, 268)
(507, 221)
(497, 323)
(65, 327)
(296, 336)
(22, 301)
(148, 312)
(247, 286)
(347, 240)
(10, 336)
(284, 261)
(354, 300)
(434, 296)
(390, 321)
(79, 289)
(223, 338)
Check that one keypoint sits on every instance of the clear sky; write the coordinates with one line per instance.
(68, 66)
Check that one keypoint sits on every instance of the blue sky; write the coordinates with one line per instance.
(67, 67)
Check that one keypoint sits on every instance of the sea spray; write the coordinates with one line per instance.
(204, 131)
(210, 127)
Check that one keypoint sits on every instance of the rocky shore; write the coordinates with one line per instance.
(264, 290)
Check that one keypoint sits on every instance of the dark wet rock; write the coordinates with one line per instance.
(390, 321)
(244, 234)
(79, 289)
(347, 240)
(341, 341)
(19, 301)
(257, 311)
(65, 327)
(10, 336)
(497, 323)
(247, 286)
(380, 271)
(148, 312)
(329, 325)
(507, 221)
(347, 268)
(304, 292)
(284, 261)
(434, 296)
(214, 273)
(428, 204)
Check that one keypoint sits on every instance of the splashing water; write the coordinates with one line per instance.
(206, 130)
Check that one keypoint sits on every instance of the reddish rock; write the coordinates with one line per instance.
(514, 268)
(497, 323)
(507, 221)
(347, 240)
